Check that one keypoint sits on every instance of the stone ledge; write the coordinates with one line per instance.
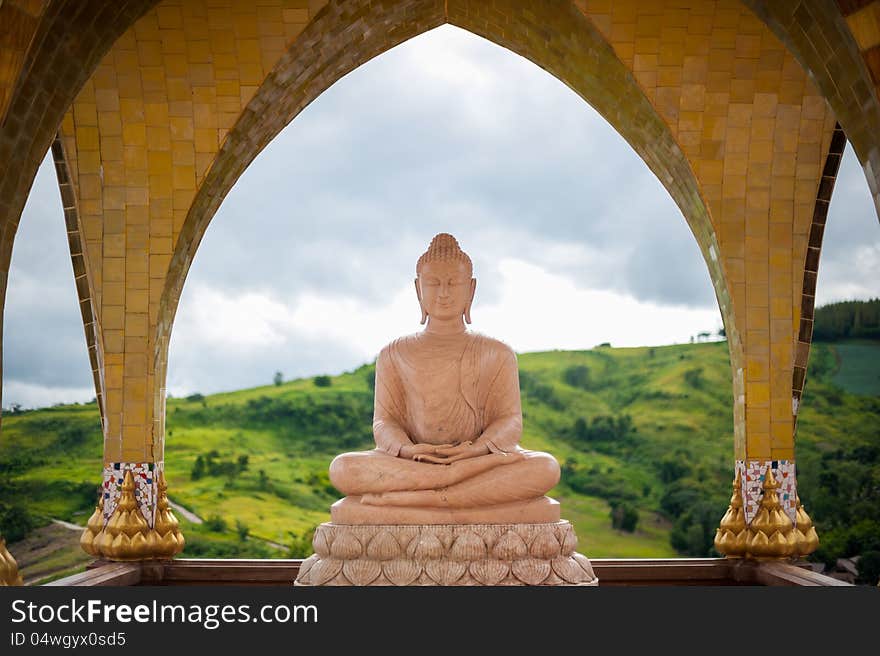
(349, 510)
(444, 554)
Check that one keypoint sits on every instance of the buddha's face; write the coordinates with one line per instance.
(445, 289)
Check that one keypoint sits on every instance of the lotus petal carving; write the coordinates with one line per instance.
(321, 543)
(383, 547)
(346, 546)
(425, 547)
(324, 569)
(305, 566)
(584, 562)
(569, 541)
(404, 535)
(545, 545)
(489, 572)
(468, 547)
(445, 571)
(361, 572)
(568, 570)
(401, 571)
(530, 571)
(510, 547)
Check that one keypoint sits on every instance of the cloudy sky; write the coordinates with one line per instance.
(307, 267)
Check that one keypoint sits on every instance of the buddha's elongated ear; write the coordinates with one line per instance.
(422, 305)
(467, 309)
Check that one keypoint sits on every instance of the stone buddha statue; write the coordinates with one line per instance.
(447, 497)
(447, 420)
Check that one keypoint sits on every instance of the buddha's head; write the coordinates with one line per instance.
(445, 284)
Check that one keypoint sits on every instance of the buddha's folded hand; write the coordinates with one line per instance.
(421, 452)
(447, 455)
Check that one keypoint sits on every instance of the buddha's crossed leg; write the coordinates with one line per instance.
(475, 482)
(376, 472)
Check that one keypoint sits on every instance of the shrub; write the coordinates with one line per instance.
(694, 378)
(16, 521)
(300, 546)
(531, 386)
(215, 524)
(578, 376)
(322, 381)
(264, 483)
(603, 428)
(198, 469)
(671, 469)
(624, 517)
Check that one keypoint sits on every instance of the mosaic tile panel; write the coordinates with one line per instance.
(753, 472)
(144, 474)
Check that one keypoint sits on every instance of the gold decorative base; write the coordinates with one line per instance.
(127, 536)
(8, 567)
(453, 555)
(771, 535)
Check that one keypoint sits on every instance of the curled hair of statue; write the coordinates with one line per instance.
(444, 248)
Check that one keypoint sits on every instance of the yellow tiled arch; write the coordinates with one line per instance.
(756, 132)
(705, 91)
(139, 139)
(138, 151)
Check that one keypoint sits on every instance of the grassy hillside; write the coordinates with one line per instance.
(857, 366)
(644, 436)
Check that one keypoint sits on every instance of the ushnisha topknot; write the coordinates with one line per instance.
(444, 248)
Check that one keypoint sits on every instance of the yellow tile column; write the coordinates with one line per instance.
(755, 131)
(140, 138)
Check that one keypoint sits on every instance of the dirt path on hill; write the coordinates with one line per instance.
(189, 516)
(72, 527)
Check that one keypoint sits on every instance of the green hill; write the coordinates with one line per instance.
(645, 437)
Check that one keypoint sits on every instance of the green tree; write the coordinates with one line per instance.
(263, 482)
(300, 545)
(578, 376)
(16, 521)
(198, 469)
(278, 378)
(694, 377)
(624, 517)
(216, 524)
(847, 319)
(322, 381)
(672, 468)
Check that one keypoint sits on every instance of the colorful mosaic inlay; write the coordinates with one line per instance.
(144, 474)
(752, 474)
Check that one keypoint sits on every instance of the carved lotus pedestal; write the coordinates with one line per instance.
(446, 554)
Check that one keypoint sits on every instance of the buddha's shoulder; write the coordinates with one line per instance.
(492, 347)
(487, 345)
(399, 344)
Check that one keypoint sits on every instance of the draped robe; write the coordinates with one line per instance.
(440, 389)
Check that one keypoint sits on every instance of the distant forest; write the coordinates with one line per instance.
(847, 320)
